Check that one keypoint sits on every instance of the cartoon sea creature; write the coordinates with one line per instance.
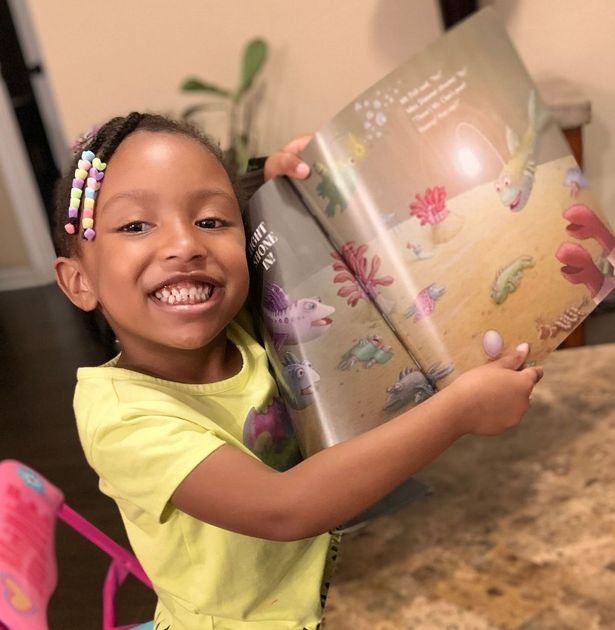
(329, 190)
(414, 386)
(269, 434)
(368, 350)
(300, 378)
(575, 179)
(564, 323)
(580, 268)
(425, 302)
(509, 278)
(418, 251)
(294, 322)
(356, 148)
(493, 343)
(584, 223)
(516, 180)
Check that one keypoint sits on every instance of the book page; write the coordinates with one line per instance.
(340, 368)
(452, 172)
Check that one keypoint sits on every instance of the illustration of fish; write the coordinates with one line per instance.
(418, 251)
(425, 302)
(414, 386)
(356, 148)
(509, 278)
(516, 180)
(575, 180)
(329, 190)
(300, 378)
(368, 350)
(294, 322)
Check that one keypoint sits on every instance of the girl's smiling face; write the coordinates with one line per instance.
(168, 265)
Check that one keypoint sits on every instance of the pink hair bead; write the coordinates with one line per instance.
(70, 228)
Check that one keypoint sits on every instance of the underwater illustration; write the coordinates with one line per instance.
(455, 224)
(293, 322)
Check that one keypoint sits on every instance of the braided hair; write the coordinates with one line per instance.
(104, 142)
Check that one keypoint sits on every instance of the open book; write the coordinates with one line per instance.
(444, 222)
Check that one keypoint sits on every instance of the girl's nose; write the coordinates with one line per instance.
(184, 241)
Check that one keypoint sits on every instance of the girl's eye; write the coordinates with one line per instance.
(210, 223)
(134, 226)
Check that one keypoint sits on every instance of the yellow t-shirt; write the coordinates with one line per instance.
(143, 435)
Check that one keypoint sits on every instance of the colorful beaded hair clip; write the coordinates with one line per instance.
(89, 172)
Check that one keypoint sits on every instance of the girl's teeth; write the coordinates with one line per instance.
(184, 295)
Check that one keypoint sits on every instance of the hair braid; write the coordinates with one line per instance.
(104, 143)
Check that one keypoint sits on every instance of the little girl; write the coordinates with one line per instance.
(150, 232)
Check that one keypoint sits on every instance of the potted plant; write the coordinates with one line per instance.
(237, 103)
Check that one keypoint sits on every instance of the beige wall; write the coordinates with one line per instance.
(323, 54)
(13, 252)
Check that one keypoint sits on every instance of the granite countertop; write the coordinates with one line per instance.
(519, 531)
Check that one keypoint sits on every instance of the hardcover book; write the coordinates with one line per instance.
(444, 222)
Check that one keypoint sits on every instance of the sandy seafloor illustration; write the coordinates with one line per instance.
(491, 236)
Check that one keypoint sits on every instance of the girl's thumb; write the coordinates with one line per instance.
(514, 359)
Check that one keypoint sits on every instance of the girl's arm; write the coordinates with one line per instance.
(237, 492)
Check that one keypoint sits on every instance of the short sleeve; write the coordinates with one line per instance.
(142, 459)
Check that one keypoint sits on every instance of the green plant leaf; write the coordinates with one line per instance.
(254, 57)
(204, 107)
(196, 85)
(241, 156)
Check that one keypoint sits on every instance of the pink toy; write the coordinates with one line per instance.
(29, 506)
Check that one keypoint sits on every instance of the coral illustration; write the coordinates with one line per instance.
(352, 270)
(430, 208)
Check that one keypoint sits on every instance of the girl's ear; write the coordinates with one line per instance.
(72, 279)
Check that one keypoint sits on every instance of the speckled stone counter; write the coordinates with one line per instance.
(519, 531)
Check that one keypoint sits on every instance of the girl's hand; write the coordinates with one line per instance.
(286, 161)
(497, 394)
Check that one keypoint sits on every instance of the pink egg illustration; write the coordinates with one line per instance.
(492, 343)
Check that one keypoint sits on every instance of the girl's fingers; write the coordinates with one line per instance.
(514, 359)
(537, 372)
(296, 145)
(284, 163)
